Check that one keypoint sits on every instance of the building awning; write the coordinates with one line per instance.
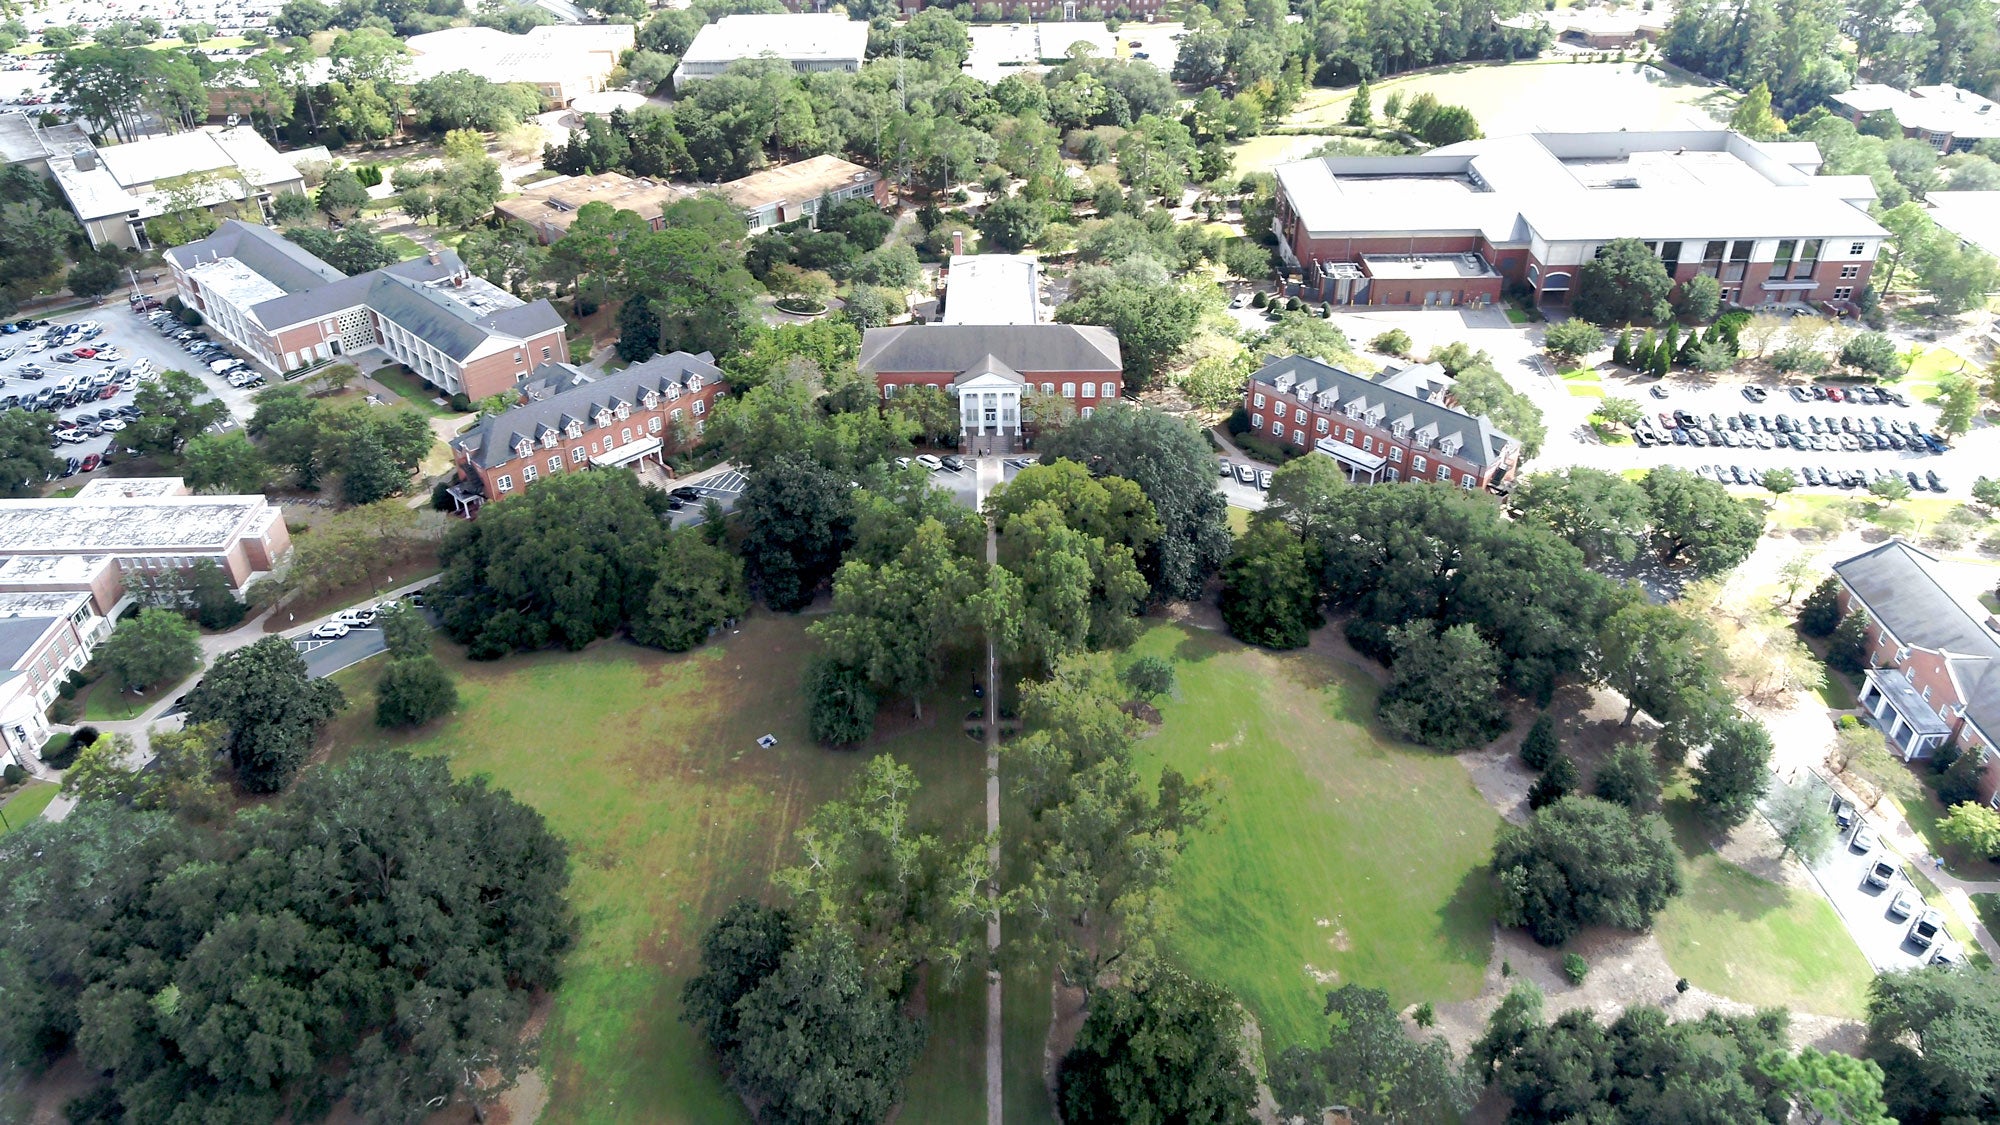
(1353, 455)
(627, 453)
(1911, 706)
(1788, 286)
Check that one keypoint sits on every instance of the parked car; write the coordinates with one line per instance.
(951, 463)
(1936, 482)
(1881, 873)
(1948, 953)
(1843, 812)
(1657, 390)
(1863, 839)
(1246, 474)
(330, 631)
(686, 493)
(1223, 463)
(1264, 478)
(92, 461)
(1926, 929)
(1755, 393)
(1904, 904)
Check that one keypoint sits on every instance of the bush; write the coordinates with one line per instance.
(1393, 342)
(460, 403)
(1239, 422)
(1874, 353)
(1540, 745)
(1575, 968)
(1559, 780)
(441, 496)
(1793, 357)
(1258, 300)
(14, 774)
(413, 691)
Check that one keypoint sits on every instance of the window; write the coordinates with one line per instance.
(1350, 435)
(1322, 425)
(1857, 248)
(1808, 258)
(1843, 292)
(700, 408)
(1085, 412)
(1927, 693)
(624, 411)
(1299, 415)
(1108, 390)
(1395, 474)
(1298, 437)
(505, 483)
(1465, 481)
(653, 427)
(675, 414)
(1256, 421)
(576, 455)
(1849, 273)
(1418, 464)
(698, 424)
(555, 464)
(547, 352)
(625, 436)
(1395, 453)
(1368, 443)
(888, 390)
(1788, 249)
(1444, 471)
(1902, 653)
(1256, 400)
(1048, 388)
(528, 474)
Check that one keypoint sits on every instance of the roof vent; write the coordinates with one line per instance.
(86, 160)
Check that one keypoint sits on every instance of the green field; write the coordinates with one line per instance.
(411, 389)
(1334, 855)
(104, 701)
(27, 803)
(1525, 97)
(648, 765)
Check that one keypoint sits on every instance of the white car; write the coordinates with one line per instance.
(9, 353)
(929, 462)
(111, 424)
(110, 355)
(38, 344)
(331, 631)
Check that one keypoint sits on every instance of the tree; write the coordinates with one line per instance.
(1778, 481)
(1372, 1067)
(176, 407)
(1819, 614)
(1359, 107)
(1753, 116)
(96, 273)
(153, 647)
(413, 691)
(1599, 512)
(1559, 779)
(1696, 521)
(224, 462)
(212, 597)
(25, 460)
(700, 588)
(1958, 403)
(371, 473)
(795, 517)
(1700, 298)
(1731, 777)
(1167, 1048)
(405, 632)
(1624, 283)
(840, 708)
(1800, 817)
(566, 562)
(1154, 321)
(891, 621)
(1629, 777)
(1828, 1087)
(1932, 1031)
(180, 779)
(1663, 661)
(1148, 677)
(1874, 353)
(1584, 862)
(1847, 648)
(1619, 411)
(1269, 597)
(1012, 223)
(1974, 827)
(739, 950)
(342, 195)
(1481, 390)
(1172, 465)
(1443, 687)
(1891, 488)
(1571, 340)
(271, 708)
(1540, 746)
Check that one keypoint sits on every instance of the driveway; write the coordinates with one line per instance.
(1883, 939)
(723, 484)
(324, 658)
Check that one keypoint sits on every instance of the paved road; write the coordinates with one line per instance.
(324, 658)
(723, 484)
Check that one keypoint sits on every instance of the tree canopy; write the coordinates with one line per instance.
(1584, 862)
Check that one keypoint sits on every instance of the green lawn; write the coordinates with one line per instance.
(1585, 390)
(412, 389)
(1921, 379)
(27, 804)
(648, 765)
(1837, 692)
(1334, 853)
(1239, 521)
(104, 702)
(1752, 940)
(404, 246)
(1517, 316)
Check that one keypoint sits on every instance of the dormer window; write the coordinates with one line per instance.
(523, 447)
(574, 429)
(651, 401)
(673, 391)
(694, 382)
(603, 417)
(1353, 410)
(624, 411)
(548, 439)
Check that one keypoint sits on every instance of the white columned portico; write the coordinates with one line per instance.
(989, 408)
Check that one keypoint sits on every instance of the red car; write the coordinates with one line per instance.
(85, 353)
(1834, 394)
(91, 462)
(1667, 420)
(110, 391)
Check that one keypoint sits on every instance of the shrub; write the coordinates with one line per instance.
(1794, 357)
(14, 774)
(1575, 968)
(1258, 300)
(441, 496)
(1559, 780)
(1540, 745)
(1393, 342)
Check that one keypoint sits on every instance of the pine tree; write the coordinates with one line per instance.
(1673, 341)
(1663, 360)
(1559, 780)
(1819, 614)
(1621, 352)
(1540, 745)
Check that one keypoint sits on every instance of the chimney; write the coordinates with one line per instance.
(458, 280)
(434, 257)
(958, 242)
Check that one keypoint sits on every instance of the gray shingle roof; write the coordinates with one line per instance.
(568, 395)
(1895, 582)
(1479, 442)
(278, 259)
(18, 636)
(1027, 348)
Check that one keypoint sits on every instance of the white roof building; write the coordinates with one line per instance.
(993, 289)
(808, 41)
(563, 61)
(1951, 119)
(116, 188)
(1974, 216)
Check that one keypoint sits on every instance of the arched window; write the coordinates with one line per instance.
(1069, 390)
(1109, 390)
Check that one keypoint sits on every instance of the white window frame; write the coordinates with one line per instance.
(505, 483)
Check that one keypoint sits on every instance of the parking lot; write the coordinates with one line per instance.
(129, 337)
(1829, 439)
(1882, 933)
(723, 486)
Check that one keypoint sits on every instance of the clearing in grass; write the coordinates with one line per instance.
(1335, 854)
(648, 765)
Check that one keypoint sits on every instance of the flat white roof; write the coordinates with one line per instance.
(794, 37)
(234, 282)
(993, 289)
(1974, 216)
(37, 570)
(1581, 187)
(1932, 109)
(115, 180)
(166, 524)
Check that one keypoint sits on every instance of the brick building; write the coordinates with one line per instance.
(143, 524)
(570, 421)
(787, 193)
(1402, 426)
(1945, 117)
(43, 638)
(287, 309)
(1933, 664)
(989, 367)
(1459, 224)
